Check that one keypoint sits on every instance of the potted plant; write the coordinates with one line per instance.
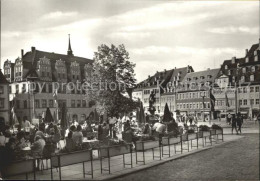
(191, 134)
(171, 138)
(204, 131)
(114, 148)
(218, 129)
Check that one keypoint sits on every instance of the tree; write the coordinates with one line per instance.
(111, 77)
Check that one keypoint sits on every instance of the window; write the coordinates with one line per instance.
(245, 89)
(253, 69)
(1, 89)
(244, 70)
(252, 101)
(25, 104)
(10, 89)
(24, 88)
(240, 102)
(17, 89)
(252, 89)
(17, 104)
(252, 78)
(226, 67)
(44, 103)
(72, 103)
(184, 106)
(84, 103)
(2, 102)
(50, 88)
(242, 79)
(43, 88)
(245, 101)
(79, 103)
(256, 89)
(257, 101)
(37, 103)
(50, 103)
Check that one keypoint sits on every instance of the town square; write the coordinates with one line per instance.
(129, 90)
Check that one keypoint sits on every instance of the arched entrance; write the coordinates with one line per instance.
(75, 117)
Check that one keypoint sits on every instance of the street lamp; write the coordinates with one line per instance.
(203, 104)
(32, 77)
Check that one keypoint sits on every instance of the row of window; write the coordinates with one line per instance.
(43, 103)
(198, 105)
(150, 91)
(192, 95)
(248, 89)
(246, 102)
(157, 100)
(45, 88)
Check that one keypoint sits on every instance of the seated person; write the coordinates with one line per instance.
(20, 141)
(70, 144)
(77, 136)
(37, 146)
(105, 130)
(147, 129)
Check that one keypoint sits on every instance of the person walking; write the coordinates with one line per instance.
(239, 122)
(234, 123)
(229, 117)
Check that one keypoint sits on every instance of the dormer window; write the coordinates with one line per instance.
(226, 67)
(209, 76)
(256, 58)
(247, 59)
(252, 77)
(253, 69)
(242, 78)
(244, 70)
(201, 77)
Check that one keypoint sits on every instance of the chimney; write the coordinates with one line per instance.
(246, 52)
(149, 76)
(208, 68)
(33, 49)
(21, 53)
(164, 70)
(233, 60)
(175, 68)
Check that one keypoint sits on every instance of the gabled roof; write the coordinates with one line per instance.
(30, 60)
(2, 78)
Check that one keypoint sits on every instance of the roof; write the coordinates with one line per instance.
(2, 78)
(30, 59)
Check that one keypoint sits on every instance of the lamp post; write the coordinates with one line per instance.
(31, 79)
(203, 104)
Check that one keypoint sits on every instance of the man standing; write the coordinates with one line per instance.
(234, 123)
(112, 121)
(229, 117)
(239, 122)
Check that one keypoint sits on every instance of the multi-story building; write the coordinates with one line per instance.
(169, 94)
(44, 72)
(243, 74)
(162, 84)
(4, 100)
(193, 98)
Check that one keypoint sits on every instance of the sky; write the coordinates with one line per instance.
(157, 34)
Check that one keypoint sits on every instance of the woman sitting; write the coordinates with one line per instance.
(37, 149)
(70, 144)
(147, 129)
(56, 136)
(77, 136)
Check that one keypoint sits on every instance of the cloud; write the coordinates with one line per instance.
(129, 35)
(232, 30)
(151, 50)
(58, 15)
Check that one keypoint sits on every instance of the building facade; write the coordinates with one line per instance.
(193, 97)
(243, 75)
(4, 100)
(36, 76)
(162, 83)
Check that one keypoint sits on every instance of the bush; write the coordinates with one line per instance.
(215, 126)
(204, 128)
(190, 131)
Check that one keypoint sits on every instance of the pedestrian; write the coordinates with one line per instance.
(234, 123)
(190, 120)
(239, 122)
(229, 117)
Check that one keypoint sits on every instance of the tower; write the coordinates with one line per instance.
(69, 52)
